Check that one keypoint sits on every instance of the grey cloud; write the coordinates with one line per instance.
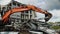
(50, 4)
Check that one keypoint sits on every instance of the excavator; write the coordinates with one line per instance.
(7, 14)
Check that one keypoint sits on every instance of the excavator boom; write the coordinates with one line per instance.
(21, 9)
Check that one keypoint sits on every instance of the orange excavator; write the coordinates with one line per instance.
(25, 8)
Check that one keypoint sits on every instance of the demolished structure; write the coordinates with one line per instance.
(21, 16)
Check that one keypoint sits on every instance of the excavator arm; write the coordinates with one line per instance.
(47, 14)
(20, 9)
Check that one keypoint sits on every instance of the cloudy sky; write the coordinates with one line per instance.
(53, 6)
